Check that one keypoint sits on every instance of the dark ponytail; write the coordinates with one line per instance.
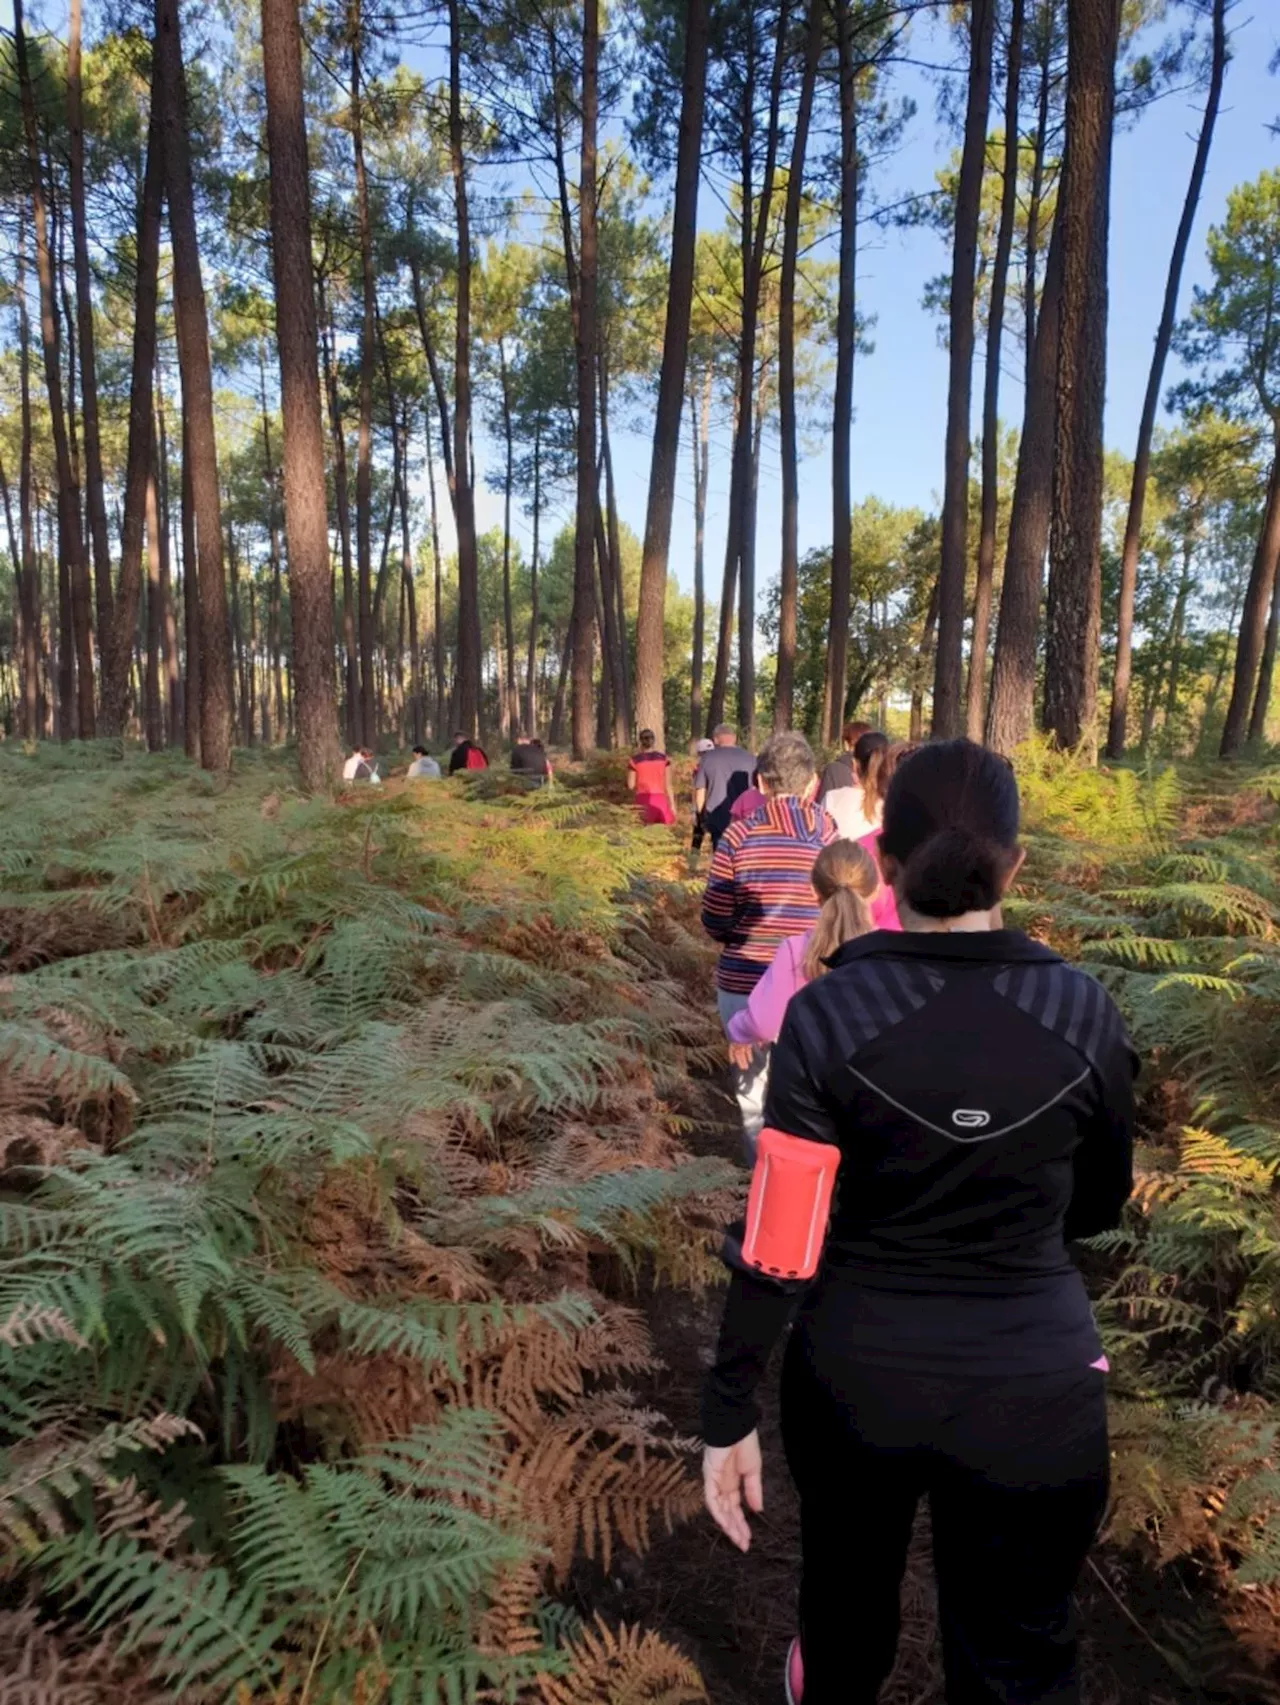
(951, 826)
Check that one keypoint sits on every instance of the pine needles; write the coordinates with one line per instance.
(320, 1129)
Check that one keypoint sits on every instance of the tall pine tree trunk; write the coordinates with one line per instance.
(1266, 672)
(948, 719)
(531, 677)
(618, 623)
(117, 645)
(586, 343)
(190, 604)
(169, 631)
(1044, 18)
(367, 720)
(96, 501)
(837, 670)
(1151, 402)
(437, 637)
(650, 630)
(342, 504)
(1073, 607)
(305, 503)
(71, 554)
(466, 708)
(153, 711)
(1251, 641)
(1011, 709)
(976, 696)
(197, 398)
(510, 695)
(784, 690)
(701, 468)
(32, 695)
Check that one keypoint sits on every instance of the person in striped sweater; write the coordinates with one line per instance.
(760, 892)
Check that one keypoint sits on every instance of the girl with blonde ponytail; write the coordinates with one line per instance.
(845, 878)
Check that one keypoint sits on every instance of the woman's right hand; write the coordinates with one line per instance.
(741, 1054)
(730, 1473)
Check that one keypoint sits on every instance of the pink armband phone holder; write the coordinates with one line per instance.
(789, 1204)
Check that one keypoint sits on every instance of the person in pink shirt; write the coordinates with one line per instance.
(879, 773)
(748, 802)
(845, 877)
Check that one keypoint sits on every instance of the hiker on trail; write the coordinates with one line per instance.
(649, 778)
(722, 774)
(423, 765)
(748, 803)
(840, 771)
(698, 748)
(844, 878)
(467, 754)
(760, 891)
(881, 769)
(858, 804)
(528, 759)
(361, 766)
(968, 1097)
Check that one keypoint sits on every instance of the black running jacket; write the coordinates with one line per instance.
(980, 1091)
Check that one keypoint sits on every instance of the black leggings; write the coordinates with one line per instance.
(1016, 1474)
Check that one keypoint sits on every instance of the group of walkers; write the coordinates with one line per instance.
(528, 759)
(935, 1106)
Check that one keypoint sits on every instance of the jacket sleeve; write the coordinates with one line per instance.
(757, 1308)
(1103, 1161)
(720, 902)
(760, 1021)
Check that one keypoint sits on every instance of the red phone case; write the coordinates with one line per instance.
(789, 1204)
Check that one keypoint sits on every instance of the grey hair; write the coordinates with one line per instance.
(786, 763)
(724, 728)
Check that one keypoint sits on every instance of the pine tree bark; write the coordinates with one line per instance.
(367, 720)
(531, 677)
(586, 337)
(169, 634)
(32, 695)
(95, 499)
(1073, 606)
(1151, 402)
(1043, 25)
(1251, 641)
(976, 693)
(508, 623)
(701, 441)
(190, 603)
(437, 637)
(70, 538)
(784, 689)
(197, 398)
(305, 502)
(342, 504)
(948, 717)
(466, 708)
(117, 641)
(153, 713)
(837, 671)
(1266, 672)
(1011, 709)
(622, 718)
(650, 618)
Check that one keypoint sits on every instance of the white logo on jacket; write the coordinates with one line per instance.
(970, 1118)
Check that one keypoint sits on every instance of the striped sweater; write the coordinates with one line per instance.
(759, 891)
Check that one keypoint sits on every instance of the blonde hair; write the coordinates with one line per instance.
(844, 878)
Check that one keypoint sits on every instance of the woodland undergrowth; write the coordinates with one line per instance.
(337, 1142)
(1167, 887)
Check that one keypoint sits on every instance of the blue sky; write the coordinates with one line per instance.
(900, 389)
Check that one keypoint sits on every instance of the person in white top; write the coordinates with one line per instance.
(361, 766)
(858, 809)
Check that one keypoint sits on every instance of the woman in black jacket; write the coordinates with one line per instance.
(977, 1093)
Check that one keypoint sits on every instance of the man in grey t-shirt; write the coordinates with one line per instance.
(722, 774)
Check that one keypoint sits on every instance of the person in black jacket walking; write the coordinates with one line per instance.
(973, 1095)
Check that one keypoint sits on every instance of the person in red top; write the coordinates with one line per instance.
(649, 778)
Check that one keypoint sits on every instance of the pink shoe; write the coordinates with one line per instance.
(793, 1675)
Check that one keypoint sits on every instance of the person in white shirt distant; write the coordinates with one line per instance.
(423, 765)
(361, 766)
